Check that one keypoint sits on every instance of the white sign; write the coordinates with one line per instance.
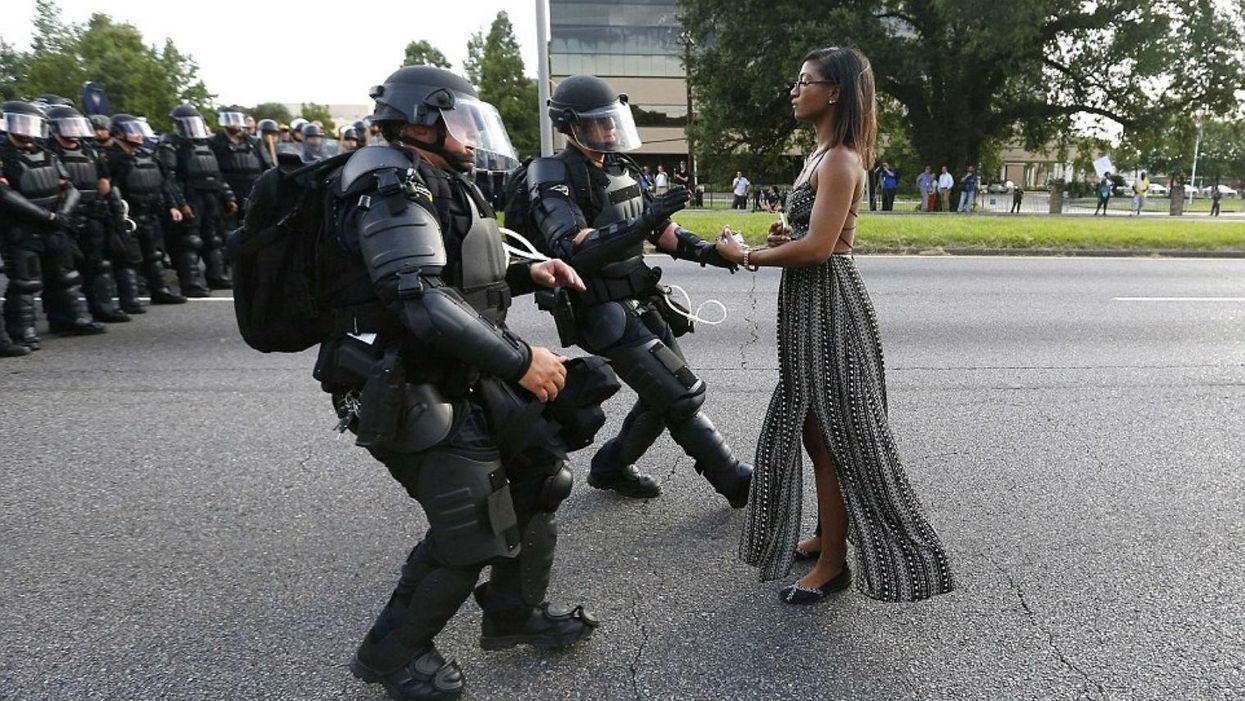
(1102, 166)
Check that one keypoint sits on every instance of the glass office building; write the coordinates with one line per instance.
(636, 46)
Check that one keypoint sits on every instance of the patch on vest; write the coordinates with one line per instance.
(566, 191)
(418, 189)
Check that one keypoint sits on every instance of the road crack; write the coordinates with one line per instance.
(754, 326)
(1050, 635)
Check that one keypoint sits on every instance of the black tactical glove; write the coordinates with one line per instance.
(659, 209)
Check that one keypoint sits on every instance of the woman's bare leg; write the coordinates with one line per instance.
(832, 514)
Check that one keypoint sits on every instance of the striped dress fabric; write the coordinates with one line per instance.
(830, 363)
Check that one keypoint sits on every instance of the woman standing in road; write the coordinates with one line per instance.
(832, 387)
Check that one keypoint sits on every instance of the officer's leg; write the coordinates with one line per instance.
(151, 242)
(602, 329)
(186, 246)
(97, 271)
(660, 375)
(62, 289)
(213, 235)
(8, 349)
(22, 266)
(462, 487)
(513, 600)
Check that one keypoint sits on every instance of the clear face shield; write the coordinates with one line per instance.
(232, 119)
(27, 125)
(478, 125)
(74, 128)
(136, 131)
(609, 129)
(192, 127)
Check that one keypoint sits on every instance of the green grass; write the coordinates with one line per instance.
(925, 231)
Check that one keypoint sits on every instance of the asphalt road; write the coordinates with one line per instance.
(179, 522)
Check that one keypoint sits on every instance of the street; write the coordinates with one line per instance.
(180, 521)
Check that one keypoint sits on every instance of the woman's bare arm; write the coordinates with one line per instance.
(835, 181)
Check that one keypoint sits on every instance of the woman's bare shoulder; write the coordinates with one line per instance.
(841, 165)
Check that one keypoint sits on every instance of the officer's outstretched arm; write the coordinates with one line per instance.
(70, 197)
(404, 255)
(14, 204)
(689, 246)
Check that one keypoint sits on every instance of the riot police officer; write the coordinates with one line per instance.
(270, 136)
(208, 198)
(587, 209)
(350, 139)
(37, 200)
(152, 197)
(238, 154)
(96, 231)
(466, 433)
(103, 130)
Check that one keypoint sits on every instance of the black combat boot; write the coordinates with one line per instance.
(427, 677)
(609, 473)
(546, 627)
(714, 460)
(127, 291)
(9, 349)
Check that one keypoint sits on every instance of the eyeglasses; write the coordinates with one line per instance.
(802, 83)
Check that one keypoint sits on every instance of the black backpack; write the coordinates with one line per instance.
(276, 259)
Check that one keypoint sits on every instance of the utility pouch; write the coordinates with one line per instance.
(345, 363)
(669, 309)
(558, 303)
(380, 404)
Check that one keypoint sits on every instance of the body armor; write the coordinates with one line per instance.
(38, 178)
(83, 168)
(198, 166)
(239, 163)
(144, 182)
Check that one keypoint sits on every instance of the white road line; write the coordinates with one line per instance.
(211, 299)
(1179, 299)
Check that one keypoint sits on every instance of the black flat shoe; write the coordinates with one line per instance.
(796, 594)
(802, 555)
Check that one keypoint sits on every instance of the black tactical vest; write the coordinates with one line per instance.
(239, 163)
(83, 172)
(198, 165)
(475, 256)
(144, 183)
(38, 178)
(621, 198)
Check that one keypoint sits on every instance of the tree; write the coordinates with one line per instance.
(495, 67)
(966, 73)
(272, 110)
(139, 79)
(311, 112)
(421, 52)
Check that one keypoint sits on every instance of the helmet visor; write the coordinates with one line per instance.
(232, 119)
(608, 129)
(478, 125)
(137, 127)
(193, 127)
(74, 127)
(30, 125)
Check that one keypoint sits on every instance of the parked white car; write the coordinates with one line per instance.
(1224, 190)
(1158, 190)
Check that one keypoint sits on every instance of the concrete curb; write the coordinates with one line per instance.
(1052, 252)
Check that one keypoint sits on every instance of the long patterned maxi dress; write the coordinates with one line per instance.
(830, 363)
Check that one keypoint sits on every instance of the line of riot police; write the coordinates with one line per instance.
(97, 213)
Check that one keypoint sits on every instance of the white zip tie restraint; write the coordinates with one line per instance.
(527, 253)
(694, 316)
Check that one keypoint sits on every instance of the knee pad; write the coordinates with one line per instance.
(104, 267)
(602, 326)
(68, 277)
(656, 373)
(470, 511)
(686, 407)
(193, 243)
(26, 272)
(555, 489)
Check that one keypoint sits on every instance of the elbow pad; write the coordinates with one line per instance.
(692, 247)
(439, 316)
(396, 236)
(553, 209)
(15, 203)
(607, 244)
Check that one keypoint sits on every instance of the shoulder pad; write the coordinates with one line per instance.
(547, 170)
(372, 158)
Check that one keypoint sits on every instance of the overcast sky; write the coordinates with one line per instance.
(252, 52)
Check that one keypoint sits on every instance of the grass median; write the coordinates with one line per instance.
(932, 231)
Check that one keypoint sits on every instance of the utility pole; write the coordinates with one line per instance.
(542, 76)
(1197, 147)
(687, 82)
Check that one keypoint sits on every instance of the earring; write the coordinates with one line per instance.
(831, 102)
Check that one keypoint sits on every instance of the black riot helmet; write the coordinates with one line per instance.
(232, 118)
(49, 99)
(188, 123)
(587, 110)
(67, 123)
(268, 126)
(131, 129)
(435, 97)
(311, 131)
(24, 122)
